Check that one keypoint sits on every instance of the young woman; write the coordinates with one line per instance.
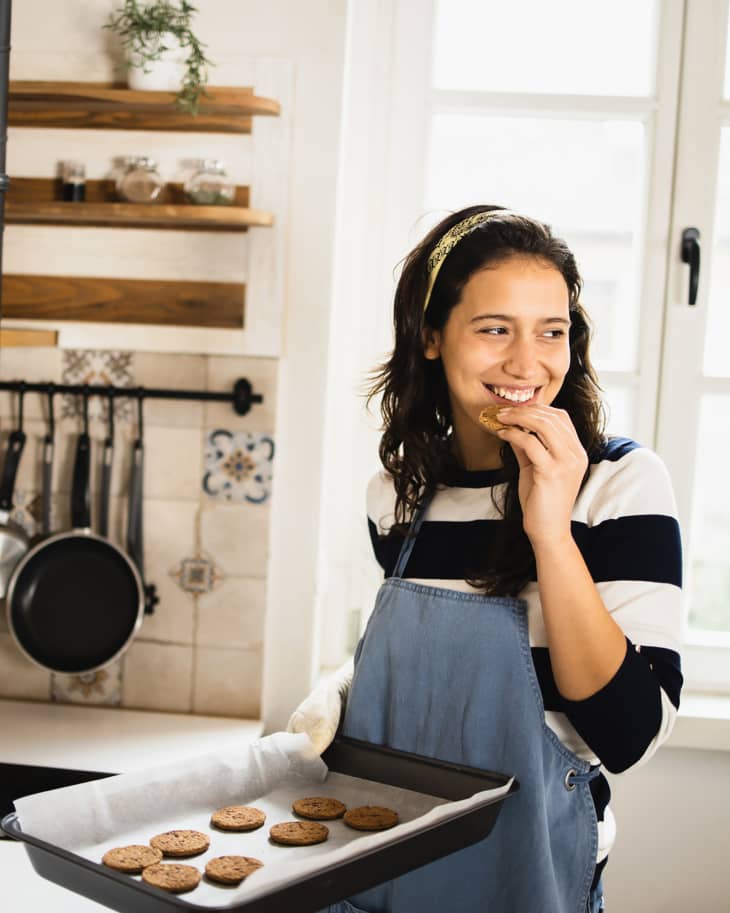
(529, 620)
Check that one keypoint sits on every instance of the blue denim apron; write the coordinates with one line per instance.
(450, 675)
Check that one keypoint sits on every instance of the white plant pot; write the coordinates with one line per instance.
(163, 75)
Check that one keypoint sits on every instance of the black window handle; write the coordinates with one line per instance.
(691, 255)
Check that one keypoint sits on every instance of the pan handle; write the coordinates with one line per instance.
(80, 504)
(135, 538)
(16, 443)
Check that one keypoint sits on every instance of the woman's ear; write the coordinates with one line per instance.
(431, 343)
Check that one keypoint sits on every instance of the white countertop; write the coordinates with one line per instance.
(94, 738)
(110, 739)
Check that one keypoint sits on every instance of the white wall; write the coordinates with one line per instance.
(671, 851)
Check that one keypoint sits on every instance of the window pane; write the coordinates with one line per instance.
(716, 362)
(584, 177)
(726, 90)
(710, 558)
(619, 403)
(565, 46)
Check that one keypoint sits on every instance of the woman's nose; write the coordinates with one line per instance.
(521, 358)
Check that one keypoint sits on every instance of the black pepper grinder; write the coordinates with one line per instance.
(74, 182)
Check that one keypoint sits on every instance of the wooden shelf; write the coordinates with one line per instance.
(13, 338)
(198, 304)
(36, 201)
(107, 106)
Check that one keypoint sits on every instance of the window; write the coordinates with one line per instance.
(524, 104)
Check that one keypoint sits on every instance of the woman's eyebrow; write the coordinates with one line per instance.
(509, 319)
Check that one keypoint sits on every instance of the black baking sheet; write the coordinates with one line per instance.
(308, 894)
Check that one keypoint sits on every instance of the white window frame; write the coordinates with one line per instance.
(390, 54)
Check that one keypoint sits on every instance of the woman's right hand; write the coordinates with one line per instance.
(319, 714)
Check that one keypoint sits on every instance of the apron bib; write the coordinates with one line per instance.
(449, 675)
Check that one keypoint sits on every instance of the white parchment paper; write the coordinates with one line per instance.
(91, 818)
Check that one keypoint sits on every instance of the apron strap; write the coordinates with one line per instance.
(410, 539)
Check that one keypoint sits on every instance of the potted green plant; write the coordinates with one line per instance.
(163, 52)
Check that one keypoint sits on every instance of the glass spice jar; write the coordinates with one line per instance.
(209, 185)
(73, 182)
(139, 182)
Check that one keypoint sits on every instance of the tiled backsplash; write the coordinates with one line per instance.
(207, 484)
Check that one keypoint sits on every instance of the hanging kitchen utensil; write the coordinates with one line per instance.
(47, 477)
(75, 601)
(106, 473)
(13, 538)
(135, 535)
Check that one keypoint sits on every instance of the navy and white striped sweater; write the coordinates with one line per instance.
(625, 525)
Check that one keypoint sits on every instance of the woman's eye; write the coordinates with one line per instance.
(493, 331)
(555, 334)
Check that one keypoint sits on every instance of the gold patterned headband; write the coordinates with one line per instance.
(449, 241)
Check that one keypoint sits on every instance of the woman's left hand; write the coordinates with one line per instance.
(552, 465)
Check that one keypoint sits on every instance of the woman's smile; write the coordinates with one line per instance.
(520, 395)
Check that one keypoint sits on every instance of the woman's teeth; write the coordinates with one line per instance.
(522, 397)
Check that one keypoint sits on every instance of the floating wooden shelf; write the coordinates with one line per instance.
(12, 338)
(199, 304)
(107, 106)
(36, 201)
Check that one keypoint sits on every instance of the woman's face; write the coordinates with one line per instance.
(505, 342)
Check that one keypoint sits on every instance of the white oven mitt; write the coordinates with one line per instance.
(319, 714)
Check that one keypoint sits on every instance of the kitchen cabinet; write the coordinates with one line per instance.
(127, 304)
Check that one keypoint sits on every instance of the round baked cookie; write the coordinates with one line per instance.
(231, 869)
(488, 418)
(181, 843)
(299, 833)
(238, 818)
(131, 859)
(371, 818)
(172, 877)
(319, 808)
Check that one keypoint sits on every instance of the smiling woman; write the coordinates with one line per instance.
(530, 615)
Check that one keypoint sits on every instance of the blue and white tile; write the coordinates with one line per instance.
(238, 466)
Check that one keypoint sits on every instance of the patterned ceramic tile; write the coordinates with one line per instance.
(101, 687)
(198, 574)
(238, 466)
(26, 512)
(88, 366)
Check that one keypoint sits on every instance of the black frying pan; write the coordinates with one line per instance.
(75, 601)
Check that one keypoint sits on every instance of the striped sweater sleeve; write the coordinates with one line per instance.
(626, 527)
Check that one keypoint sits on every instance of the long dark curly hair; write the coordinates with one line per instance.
(416, 445)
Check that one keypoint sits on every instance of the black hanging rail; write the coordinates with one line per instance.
(241, 397)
